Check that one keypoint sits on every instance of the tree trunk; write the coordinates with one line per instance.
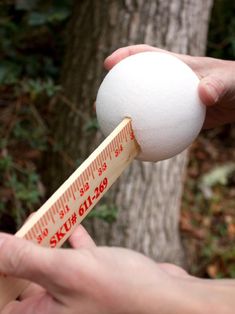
(147, 195)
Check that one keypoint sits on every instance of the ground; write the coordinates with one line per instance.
(208, 207)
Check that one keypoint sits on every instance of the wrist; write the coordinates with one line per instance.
(176, 296)
(209, 296)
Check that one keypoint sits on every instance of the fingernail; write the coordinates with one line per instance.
(213, 92)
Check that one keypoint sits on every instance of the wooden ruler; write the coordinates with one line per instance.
(54, 222)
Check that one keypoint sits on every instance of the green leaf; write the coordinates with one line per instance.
(57, 15)
(26, 4)
(37, 18)
(54, 15)
(105, 212)
(218, 175)
(5, 163)
(92, 125)
(9, 72)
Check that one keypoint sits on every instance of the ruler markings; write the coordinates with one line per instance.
(58, 205)
(125, 130)
(33, 233)
(93, 171)
(70, 193)
(27, 236)
(106, 154)
(63, 200)
(73, 188)
(118, 139)
(95, 163)
(52, 217)
(30, 235)
(61, 203)
(77, 185)
(98, 161)
(42, 222)
(57, 208)
(67, 196)
(82, 180)
(116, 142)
(47, 217)
(54, 209)
(111, 147)
(87, 173)
(101, 160)
(122, 136)
(74, 197)
(114, 146)
(39, 225)
(36, 228)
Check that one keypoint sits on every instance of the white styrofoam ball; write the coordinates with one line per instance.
(159, 93)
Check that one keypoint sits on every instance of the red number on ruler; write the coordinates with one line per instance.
(64, 211)
(102, 169)
(63, 230)
(42, 236)
(132, 136)
(89, 201)
(84, 189)
(118, 150)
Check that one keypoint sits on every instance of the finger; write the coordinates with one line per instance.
(125, 52)
(42, 304)
(31, 290)
(81, 239)
(44, 266)
(10, 307)
(211, 89)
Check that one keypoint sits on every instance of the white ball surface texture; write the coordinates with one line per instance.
(159, 93)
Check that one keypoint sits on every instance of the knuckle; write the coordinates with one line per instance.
(17, 258)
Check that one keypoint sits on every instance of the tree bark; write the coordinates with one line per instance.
(147, 195)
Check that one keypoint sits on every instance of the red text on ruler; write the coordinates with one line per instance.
(81, 211)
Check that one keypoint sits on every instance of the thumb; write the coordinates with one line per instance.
(211, 89)
(81, 239)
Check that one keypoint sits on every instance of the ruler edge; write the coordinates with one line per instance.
(126, 122)
(57, 194)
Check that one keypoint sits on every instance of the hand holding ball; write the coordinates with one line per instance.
(159, 93)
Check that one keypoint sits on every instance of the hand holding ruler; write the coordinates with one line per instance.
(55, 221)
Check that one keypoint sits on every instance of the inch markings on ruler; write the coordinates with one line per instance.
(54, 222)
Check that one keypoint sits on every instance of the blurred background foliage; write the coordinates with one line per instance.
(31, 50)
(33, 41)
(221, 39)
(208, 208)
